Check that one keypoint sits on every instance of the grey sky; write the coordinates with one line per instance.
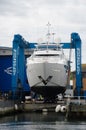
(29, 18)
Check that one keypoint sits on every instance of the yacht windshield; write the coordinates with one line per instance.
(47, 54)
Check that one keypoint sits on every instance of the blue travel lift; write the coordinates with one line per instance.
(18, 62)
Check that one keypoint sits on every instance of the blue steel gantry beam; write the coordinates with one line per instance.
(18, 63)
(19, 44)
(76, 41)
(76, 44)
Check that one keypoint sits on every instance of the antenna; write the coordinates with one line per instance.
(53, 36)
(48, 34)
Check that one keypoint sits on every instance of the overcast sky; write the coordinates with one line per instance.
(29, 18)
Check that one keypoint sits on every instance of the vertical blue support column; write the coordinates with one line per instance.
(76, 41)
(21, 65)
(15, 55)
(19, 44)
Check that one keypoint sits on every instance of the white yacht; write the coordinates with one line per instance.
(47, 70)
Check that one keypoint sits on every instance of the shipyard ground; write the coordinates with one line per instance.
(75, 107)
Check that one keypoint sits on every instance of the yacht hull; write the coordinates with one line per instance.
(47, 78)
(49, 92)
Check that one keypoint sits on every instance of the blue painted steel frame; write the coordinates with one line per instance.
(19, 44)
(76, 41)
(18, 63)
